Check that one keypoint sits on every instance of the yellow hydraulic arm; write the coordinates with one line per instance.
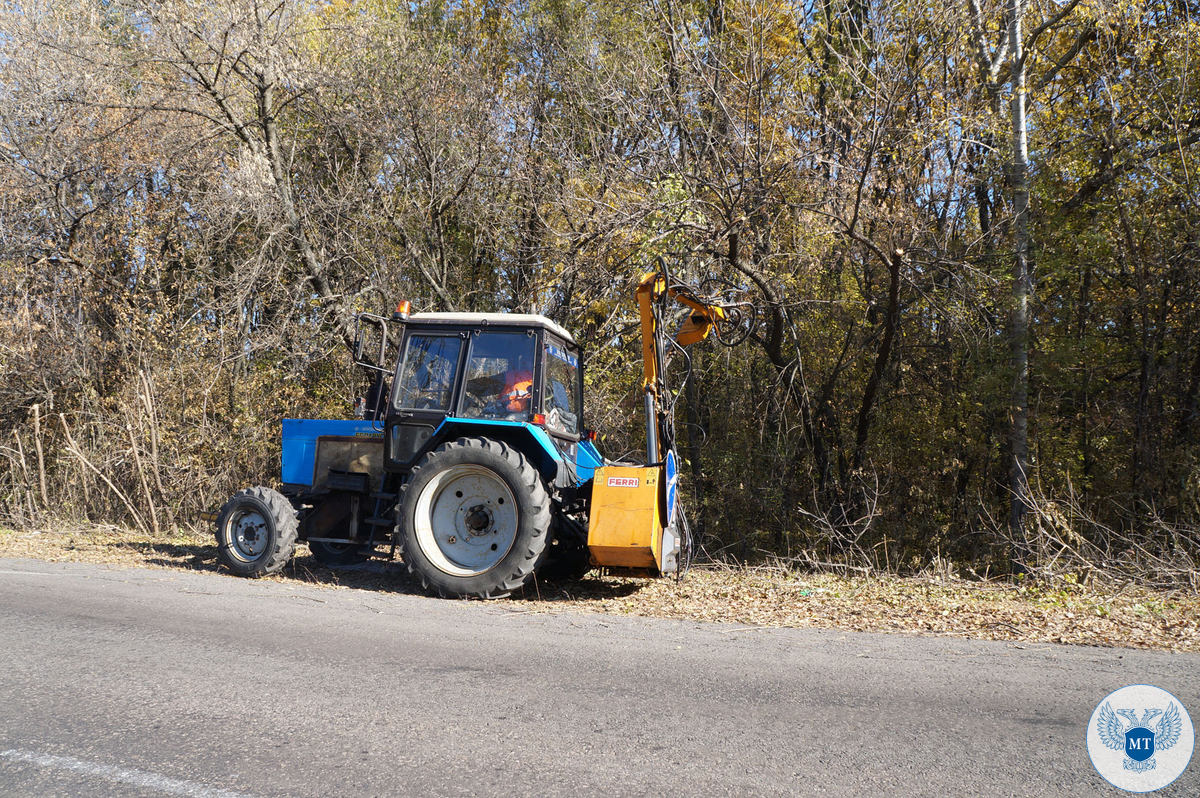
(632, 520)
(730, 320)
(699, 324)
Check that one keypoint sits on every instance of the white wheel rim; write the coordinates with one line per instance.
(466, 520)
(247, 534)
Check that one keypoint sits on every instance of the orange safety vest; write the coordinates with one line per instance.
(518, 385)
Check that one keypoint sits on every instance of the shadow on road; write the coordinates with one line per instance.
(588, 588)
(379, 575)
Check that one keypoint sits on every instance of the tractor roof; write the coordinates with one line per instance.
(493, 320)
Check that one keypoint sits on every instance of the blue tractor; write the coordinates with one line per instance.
(469, 459)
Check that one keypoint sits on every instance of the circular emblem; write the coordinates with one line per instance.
(1140, 738)
(672, 469)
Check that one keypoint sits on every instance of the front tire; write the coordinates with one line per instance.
(256, 532)
(475, 516)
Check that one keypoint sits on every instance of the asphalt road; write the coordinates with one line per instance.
(142, 682)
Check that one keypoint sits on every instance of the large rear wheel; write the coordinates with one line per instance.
(475, 516)
(256, 532)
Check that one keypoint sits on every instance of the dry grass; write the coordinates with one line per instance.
(757, 597)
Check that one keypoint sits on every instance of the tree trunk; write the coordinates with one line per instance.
(1083, 396)
(695, 439)
(882, 357)
(1022, 288)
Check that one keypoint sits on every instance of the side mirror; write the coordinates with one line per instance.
(367, 329)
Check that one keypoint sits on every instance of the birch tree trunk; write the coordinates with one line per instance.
(1022, 287)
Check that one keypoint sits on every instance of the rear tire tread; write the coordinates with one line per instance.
(521, 571)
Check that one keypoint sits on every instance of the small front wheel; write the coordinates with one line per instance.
(256, 532)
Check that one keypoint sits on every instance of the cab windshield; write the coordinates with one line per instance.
(426, 378)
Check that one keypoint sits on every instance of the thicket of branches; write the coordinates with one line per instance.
(970, 226)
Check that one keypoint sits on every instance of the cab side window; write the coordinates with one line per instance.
(499, 379)
(562, 389)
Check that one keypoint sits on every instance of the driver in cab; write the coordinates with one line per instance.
(502, 394)
(518, 387)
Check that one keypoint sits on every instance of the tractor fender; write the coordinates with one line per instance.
(529, 439)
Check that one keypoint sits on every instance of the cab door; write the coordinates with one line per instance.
(423, 392)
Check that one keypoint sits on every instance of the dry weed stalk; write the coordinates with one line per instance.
(41, 461)
(1065, 540)
(841, 529)
(73, 448)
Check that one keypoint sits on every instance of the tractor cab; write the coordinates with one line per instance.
(466, 371)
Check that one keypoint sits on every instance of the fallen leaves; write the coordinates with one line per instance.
(992, 611)
(753, 597)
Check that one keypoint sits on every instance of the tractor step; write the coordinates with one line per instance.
(383, 495)
(381, 521)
